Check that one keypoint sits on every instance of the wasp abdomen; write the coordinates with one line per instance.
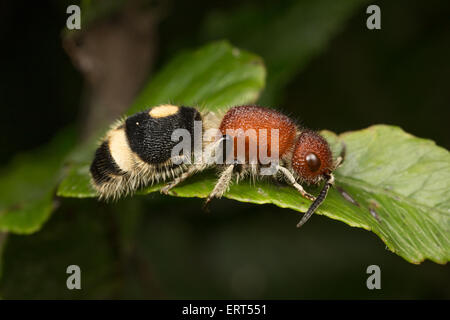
(149, 133)
(104, 167)
(137, 151)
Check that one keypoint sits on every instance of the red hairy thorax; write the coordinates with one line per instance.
(312, 157)
(256, 118)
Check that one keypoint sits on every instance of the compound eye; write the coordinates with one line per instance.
(313, 162)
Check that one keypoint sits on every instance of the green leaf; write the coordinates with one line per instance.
(215, 76)
(28, 183)
(400, 183)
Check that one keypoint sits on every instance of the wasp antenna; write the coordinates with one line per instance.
(320, 198)
(340, 160)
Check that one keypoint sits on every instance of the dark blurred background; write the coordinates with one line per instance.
(159, 247)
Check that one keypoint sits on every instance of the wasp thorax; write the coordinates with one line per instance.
(312, 157)
(239, 122)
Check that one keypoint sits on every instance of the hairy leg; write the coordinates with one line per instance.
(221, 185)
(290, 178)
(181, 178)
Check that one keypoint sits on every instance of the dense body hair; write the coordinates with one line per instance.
(257, 118)
(294, 142)
(136, 151)
(313, 147)
(303, 155)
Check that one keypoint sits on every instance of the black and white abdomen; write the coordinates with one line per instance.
(137, 151)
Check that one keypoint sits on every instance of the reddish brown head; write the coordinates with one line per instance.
(312, 157)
